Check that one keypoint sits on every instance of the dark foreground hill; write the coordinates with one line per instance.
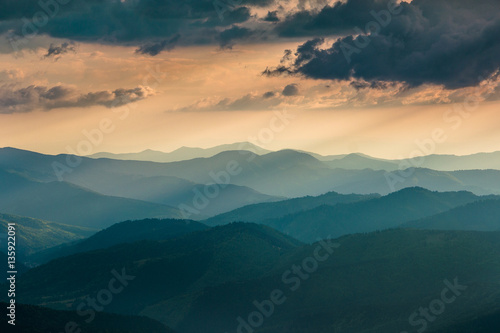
(370, 283)
(123, 232)
(489, 323)
(206, 281)
(35, 319)
(162, 269)
(33, 235)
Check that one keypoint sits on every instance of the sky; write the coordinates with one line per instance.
(379, 77)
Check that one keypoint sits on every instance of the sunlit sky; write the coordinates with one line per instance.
(203, 94)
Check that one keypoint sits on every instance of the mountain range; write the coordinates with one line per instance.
(71, 204)
(334, 215)
(206, 280)
(356, 161)
(284, 173)
(252, 241)
(182, 153)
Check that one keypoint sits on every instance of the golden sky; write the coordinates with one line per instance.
(206, 95)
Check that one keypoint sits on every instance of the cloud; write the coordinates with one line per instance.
(346, 94)
(249, 102)
(11, 75)
(155, 48)
(268, 94)
(290, 90)
(134, 22)
(358, 85)
(329, 20)
(450, 43)
(227, 36)
(55, 50)
(271, 16)
(44, 98)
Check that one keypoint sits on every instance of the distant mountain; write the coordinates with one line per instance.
(35, 319)
(479, 161)
(123, 232)
(258, 212)
(361, 161)
(205, 281)
(284, 173)
(480, 182)
(70, 204)
(466, 162)
(174, 191)
(34, 235)
(183, 153)
(482, 215)
(162, 269)
(441, 162)
(320, 157)
(369, 215)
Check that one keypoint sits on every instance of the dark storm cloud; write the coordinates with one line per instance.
(272, 16)
(358, 85)
(450, 43)
(290, 90)
(132, 22)
(228, 36)
(13, 100)
(55, 50)
(155, 48)
(269, 94)
(330, 20)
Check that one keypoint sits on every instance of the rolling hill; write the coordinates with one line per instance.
(182, 153)
(465, 162)
(487, 323)
(285, 173)
(361, 161)
(174, 191)
(70, 204)
(162, 269)
(123, 232)
(364, 286)
(482, 215)
(36, 319)
(477, 161)
(33, 235)
(258, 212)
(381, 213)
(205, 281)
